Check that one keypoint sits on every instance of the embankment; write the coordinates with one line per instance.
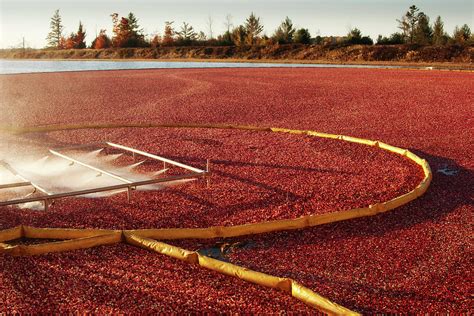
(403, 54)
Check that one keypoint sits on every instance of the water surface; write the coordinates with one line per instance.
(35, 66)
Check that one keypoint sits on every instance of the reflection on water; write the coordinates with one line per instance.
(32, 66)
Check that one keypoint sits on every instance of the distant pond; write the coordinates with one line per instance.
(35, 66)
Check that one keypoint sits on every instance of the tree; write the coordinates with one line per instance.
(209, 23)
(168, 36)
(423, 32)
(228, 23)
(302, 36)
(253, 28)
(133, 25)
(394, 39)
(156, 40)
(239, 35)
(408, 23)
(101, 41)
(355, 37)
(439, 36)
(187, 34)
(225, 39)
(56, 31)
(127, 32)
(285, 32)
(76, 40)
(462, 34)
(201, 36)
(79, 41)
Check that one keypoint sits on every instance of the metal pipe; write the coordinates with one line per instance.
(15, 185)
(89, 166)
(17, 174)
(166, 160)
(103, 189)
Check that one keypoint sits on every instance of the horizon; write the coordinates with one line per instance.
(320, 17)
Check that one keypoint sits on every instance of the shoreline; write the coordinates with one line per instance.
(443, 57)
(352, 64)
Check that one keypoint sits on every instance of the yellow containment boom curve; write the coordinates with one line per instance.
(148, 238)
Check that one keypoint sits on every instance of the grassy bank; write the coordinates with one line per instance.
(462, 56)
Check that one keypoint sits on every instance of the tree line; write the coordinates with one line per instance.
(415, 28)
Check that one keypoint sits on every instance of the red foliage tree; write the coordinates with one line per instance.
(127, 32)
(69, 42)
(168, 36)
(101, 41)
(76, 40)
(155, 42)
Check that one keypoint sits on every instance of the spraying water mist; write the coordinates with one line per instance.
(79, 173)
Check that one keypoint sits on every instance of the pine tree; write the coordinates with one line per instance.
(133, 24)
(187, 34)
(56, 32)
(239, 35)
(408, 23)
(79, 40)
(302, 36)
(462, 34)
(253, 28)
(127, 32)
(285, 32)
(439, 36)
(423, 32)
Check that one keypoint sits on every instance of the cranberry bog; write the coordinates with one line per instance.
(414, 258)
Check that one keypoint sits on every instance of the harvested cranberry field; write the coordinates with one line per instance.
(416, 258)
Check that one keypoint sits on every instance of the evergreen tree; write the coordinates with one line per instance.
(187, 34)
(56, 31)
(285, 32)
(439, 36)
(133, 25)
(225, 39)
(394, 39)
(355, 37)
(127, 33)
(302, 36)
(80, 36)
(462, 34)
(408, 23)
(253, 28)
(423, 32)
(239, 35)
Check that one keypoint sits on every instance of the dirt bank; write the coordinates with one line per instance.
(462, 55)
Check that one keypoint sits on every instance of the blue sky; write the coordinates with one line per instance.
(30, 18)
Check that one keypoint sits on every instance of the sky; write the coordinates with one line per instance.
(29, 19)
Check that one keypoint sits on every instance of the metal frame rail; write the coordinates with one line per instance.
(128, 184)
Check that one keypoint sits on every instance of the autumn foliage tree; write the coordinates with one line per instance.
(239, 35)
(127, 32)
(168, 36)
(76, 40)
(101, 41)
